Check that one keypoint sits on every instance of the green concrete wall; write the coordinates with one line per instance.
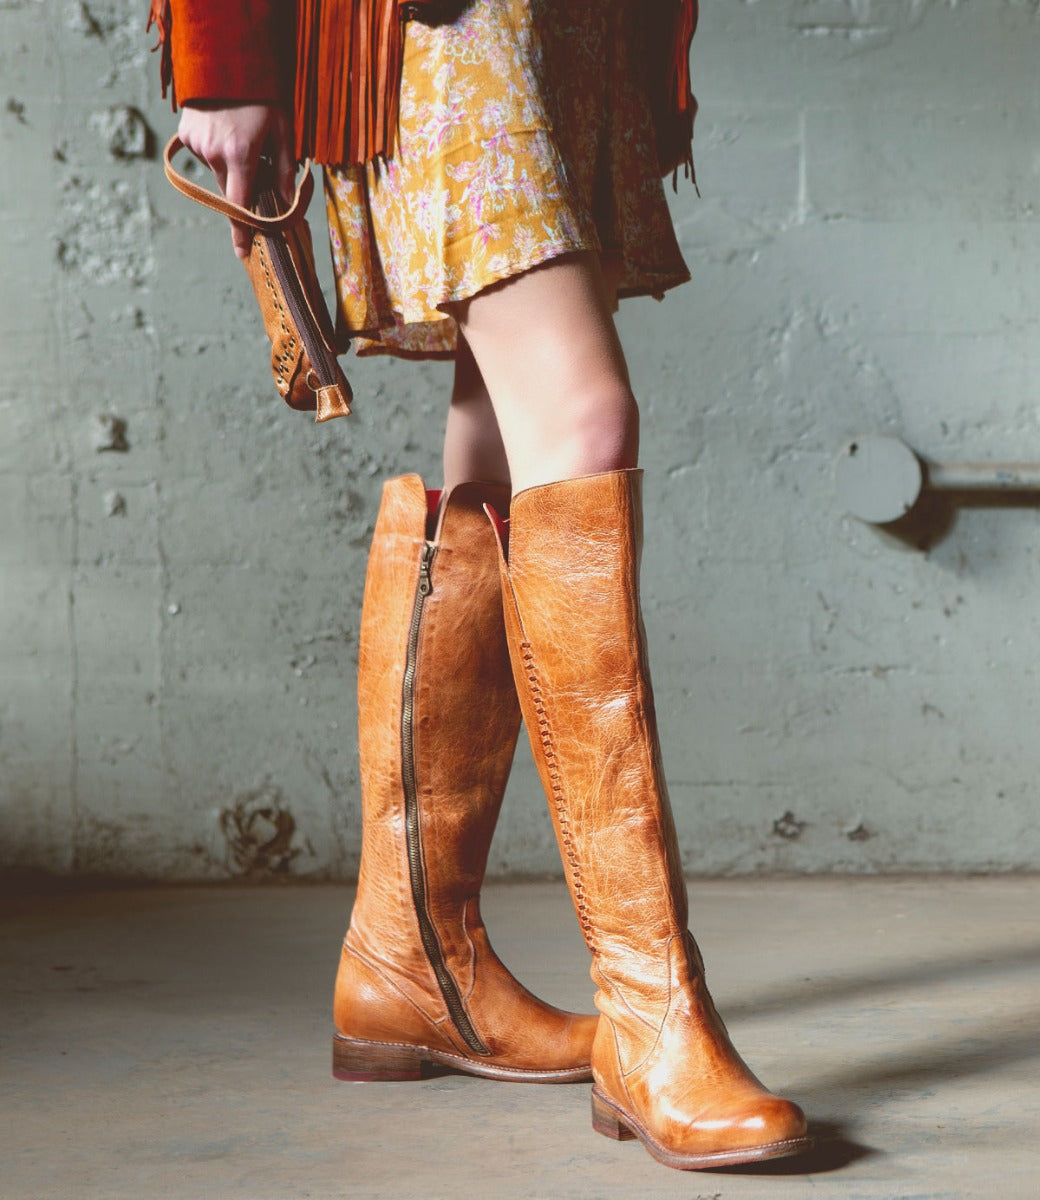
(181, 558)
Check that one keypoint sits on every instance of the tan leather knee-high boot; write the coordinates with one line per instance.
(418, 981)
(664, 1068)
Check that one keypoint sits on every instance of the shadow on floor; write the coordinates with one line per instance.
(971, 1053)
(941, 972)
(833, 1151)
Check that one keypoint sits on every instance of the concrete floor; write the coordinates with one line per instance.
(175, 1043)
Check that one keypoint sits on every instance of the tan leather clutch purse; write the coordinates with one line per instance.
(280, 265)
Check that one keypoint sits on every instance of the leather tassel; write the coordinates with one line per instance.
(161, 17)
(349, 55)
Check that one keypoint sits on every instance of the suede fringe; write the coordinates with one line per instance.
(349, 55)
(160, 16)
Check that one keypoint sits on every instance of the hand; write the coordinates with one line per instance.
(230, 138)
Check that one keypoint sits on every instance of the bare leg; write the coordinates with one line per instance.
(550, 358)
(665, 1070)
(473, 447)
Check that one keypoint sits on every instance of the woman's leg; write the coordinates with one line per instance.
(473, 447)
(664, 1068)
(418, 980)
(552, 364)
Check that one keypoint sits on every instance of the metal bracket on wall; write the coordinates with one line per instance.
(880, 479)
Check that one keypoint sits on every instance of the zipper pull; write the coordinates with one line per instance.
(425, 583)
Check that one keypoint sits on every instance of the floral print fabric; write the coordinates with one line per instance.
(524, 135)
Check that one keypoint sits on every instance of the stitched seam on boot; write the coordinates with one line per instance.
(436, 1023)
(464, 923)
(563, 1073)
(660, 1028)
(611, 990)
(556, 785)
(622, 1073)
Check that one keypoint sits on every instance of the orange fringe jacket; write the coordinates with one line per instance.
(338, 63)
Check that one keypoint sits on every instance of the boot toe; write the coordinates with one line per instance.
(765, 1121)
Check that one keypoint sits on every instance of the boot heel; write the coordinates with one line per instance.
(372, 1062)
(607, 1122)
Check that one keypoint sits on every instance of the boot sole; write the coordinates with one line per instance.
(612, 1122)
(356, 1060)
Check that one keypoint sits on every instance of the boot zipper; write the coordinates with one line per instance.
(413, 833)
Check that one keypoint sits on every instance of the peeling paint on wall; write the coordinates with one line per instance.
(857, 832)
(124, 132)
(103, 232)
(110, 434)
(788, 827)
(259, 831)
(182, 559)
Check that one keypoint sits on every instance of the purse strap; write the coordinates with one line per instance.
(268, 225)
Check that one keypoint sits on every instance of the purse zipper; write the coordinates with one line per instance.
(324, 365)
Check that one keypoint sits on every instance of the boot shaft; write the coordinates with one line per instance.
(579, 652)
(418, 979)
(438, 722)
(663, 1064)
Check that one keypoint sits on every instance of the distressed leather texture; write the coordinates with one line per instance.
(320, 386)
(466, 722)
(294, 374)
(662, 1055)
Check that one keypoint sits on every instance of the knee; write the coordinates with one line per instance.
(599, 427)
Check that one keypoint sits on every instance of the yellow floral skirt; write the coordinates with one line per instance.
(524, 135)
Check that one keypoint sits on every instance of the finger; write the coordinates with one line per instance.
(285, 170)
(192, 133)
(241, 235)
(238, 188)
(220, 172)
